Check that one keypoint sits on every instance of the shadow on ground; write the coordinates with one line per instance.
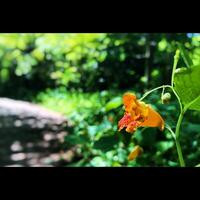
(31, 148)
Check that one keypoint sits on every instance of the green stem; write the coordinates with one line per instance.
(178, 147)
(177, 133)
(163, 91)
(179, 101)
(179, 151)
(157, 88)
(170, 130)
(176, 59)
(180, 118)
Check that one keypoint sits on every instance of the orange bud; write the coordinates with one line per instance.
(135, 152)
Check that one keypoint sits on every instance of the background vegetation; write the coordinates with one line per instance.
(84, 76)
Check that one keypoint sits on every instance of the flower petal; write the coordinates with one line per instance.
(132, 126)
(135, 152)
(153, 119)
(129, 101)
(124, 121)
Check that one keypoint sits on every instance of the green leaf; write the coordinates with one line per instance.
(106, 143)
(185, 56)
(98, 162)
(190, 127)
(114, 103)
(187, 86)
(164, 146)
(75, 139)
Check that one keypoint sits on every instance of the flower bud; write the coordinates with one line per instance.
(166, 98)
(135, 152)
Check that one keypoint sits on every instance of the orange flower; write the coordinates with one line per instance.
(138, 114)
(135, 152)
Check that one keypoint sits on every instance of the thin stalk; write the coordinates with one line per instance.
(179, 151)
(177, 133)
(179, 101)
(163, 91)
(171, 131)
(157, 88)
(178, 147)
(176, 59)
(180, 118)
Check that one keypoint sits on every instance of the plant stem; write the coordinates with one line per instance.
(179, 101)
(180, 118)
(170, 130)
(149, 92)
(179, 151)
(176, 59)
(178, 147)
(177, 133)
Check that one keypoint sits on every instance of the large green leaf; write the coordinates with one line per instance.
(187, 86)
(185, 55)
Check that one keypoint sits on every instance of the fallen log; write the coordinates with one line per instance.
(30, 135)
(25, 115)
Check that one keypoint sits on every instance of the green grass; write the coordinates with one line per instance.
(67, 103)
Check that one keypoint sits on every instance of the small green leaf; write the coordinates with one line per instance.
(98, 162)
(194, 128)
(164, 146)
(185, 56)
(75, 139)
(114, 103)
(106, 143)
(187, 86)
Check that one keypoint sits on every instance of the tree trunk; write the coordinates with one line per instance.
(149, 56)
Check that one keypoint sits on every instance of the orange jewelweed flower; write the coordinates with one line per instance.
(138, 114)
(135, 152)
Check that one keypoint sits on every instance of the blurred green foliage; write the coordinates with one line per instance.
(84, 76)
(89, 62)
